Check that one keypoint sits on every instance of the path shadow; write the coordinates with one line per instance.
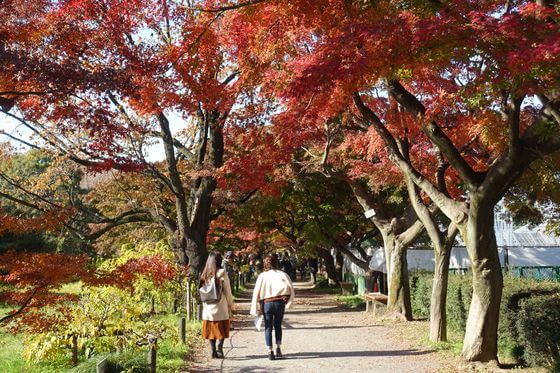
(326, 327)
(338, 354)
(331, 309)
(248, 325)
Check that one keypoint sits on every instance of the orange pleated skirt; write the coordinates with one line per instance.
(215, 329)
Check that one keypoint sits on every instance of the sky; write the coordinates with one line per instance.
(154, 153)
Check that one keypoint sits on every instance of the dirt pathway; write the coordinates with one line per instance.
(318, 336)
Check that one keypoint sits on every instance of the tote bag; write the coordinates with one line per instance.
(211, 291)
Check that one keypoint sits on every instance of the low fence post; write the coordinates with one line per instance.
(182, 330)
(103, 366)
(74, 350)
(189, 298)
(152, 354)
(198, 311)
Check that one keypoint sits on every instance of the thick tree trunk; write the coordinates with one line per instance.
(398, 302)
(197, 253)
(438, 302)
(330, 266)
(481, 335)
(193, 208)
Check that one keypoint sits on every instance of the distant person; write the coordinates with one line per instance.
(273, 293)
(228, 265)
(215, 316)
(293, 261)
(313, 269)
(287, 266)
(251, 268)
(302, 270)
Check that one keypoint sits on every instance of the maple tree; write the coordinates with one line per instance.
(477, 79)
(114, 77)
(34, 276)
(47, 204)
(55, 321)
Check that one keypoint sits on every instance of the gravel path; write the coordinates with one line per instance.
(318, 336)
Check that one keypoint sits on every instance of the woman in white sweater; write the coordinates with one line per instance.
(273, 293)
(215, 316)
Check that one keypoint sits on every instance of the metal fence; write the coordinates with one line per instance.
(549, 273)
(538, 273)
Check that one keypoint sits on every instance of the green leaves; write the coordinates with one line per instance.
(544, 130)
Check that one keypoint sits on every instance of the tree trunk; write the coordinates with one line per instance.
(481, 335)
(329, 265)
(197, 253)
(398, 302)
(438, 302)
(339, 264)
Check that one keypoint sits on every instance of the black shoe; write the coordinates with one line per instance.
(214, 354)
(271, 356)
(219, 354)
(278, 353)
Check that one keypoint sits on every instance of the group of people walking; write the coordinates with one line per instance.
(273, 293)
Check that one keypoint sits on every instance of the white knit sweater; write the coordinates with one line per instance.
(271, 283)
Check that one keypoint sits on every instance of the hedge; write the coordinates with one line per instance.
(529, 327)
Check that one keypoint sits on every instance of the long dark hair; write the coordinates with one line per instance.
(213, 263)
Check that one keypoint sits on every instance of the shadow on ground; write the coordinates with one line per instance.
(325, 355)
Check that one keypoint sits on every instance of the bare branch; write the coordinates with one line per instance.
(227, 7)
(23, 306)
(19, 140)
(230, 77)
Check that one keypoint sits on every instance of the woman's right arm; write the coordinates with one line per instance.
(255, 308)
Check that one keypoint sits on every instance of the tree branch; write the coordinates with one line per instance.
(450, 207)
(222, 209)
(227, 7)
(23, 306)
(513, 113)
(435, 134)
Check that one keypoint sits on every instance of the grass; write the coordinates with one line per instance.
(237, 292)
(11, 353)
(351, 301)
(71, 288)
(322, 286)
(11, 349)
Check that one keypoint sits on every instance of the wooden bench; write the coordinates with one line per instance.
(374, 298)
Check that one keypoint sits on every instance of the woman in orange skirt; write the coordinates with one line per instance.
(215, 315)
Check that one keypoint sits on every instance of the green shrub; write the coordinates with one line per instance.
(459, 293)
(516, 290)
(538, 327)
(527, 306)
(421, 289)
(322, 283)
